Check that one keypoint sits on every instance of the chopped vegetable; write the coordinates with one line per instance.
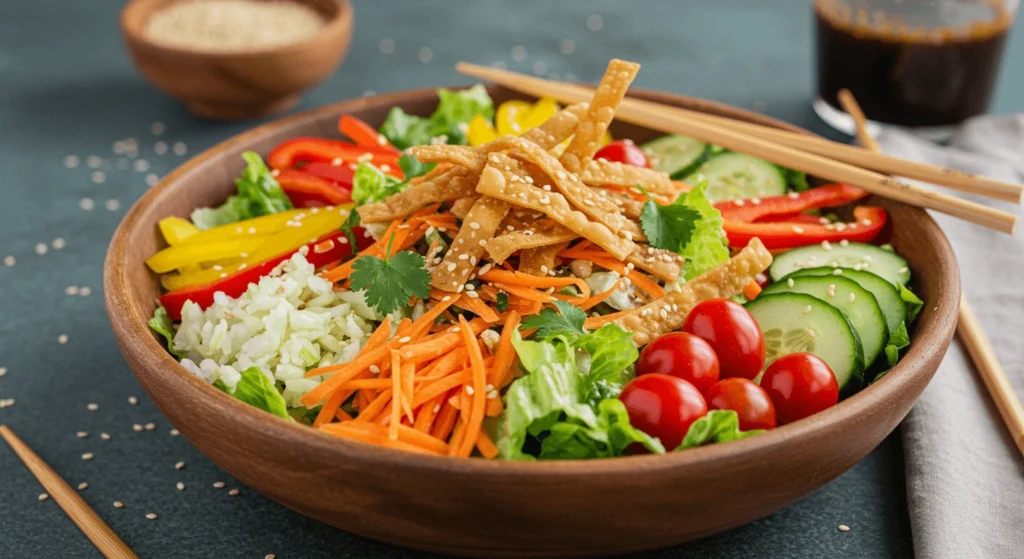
(162, 324)
(454, 109)
(718, 426)
(707, 247)
(389, 282)
(566, 321)
(256, 389)
(258, 194)
(370, 184)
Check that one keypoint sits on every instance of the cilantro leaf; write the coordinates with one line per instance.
(668, 227)
(391, 281)
(549, 324)
(502, 301)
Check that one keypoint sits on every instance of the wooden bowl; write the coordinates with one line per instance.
(476, 507)
(238, 85)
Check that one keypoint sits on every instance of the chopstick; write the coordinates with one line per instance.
(105, 540)
(671, 121)
(859, 156)
(968, 327)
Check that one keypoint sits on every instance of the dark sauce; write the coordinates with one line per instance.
(911, 76)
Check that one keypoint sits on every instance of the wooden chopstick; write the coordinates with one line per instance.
(666, 120)
(967, 327)
(859, 156)
(74, 506)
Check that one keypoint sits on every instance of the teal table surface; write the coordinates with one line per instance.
(68, 93)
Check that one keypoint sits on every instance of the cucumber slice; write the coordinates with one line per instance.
(736, 175)
(676, 155)
(794, 322)
(859, 256)
(886, 294)
(855, 302)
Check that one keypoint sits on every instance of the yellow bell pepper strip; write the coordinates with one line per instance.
(540, 113)
(264, 225)
(175, 257)
(312, 226)
(480, 131)
(511, 117)
(176, 230)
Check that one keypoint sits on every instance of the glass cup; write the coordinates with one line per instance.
(924, 64)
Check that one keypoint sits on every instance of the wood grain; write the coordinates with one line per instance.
(238, 85)
(101, 535)
(494, 508)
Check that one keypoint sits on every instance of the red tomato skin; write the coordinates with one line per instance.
(663, 406)
(800, 384)
(624, 151)
(750, 402)
(681, 355)
(733, 333)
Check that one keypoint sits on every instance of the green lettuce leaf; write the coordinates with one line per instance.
(162, 324)
(454, 109)
(567, 321)
(913, 302)
(610, 436)
(707, 247)
(259, 194)
(255, 389)
(898, 341)
(370, 184)
(549, 393)
(796, 180)
(412, 167)
(718, 426)
(612, 354)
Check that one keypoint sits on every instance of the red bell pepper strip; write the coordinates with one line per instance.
(790, 204)
(341, 174)
(302, 186)
(363, 134)
(869, 223)
(329, 248)
(310, 150)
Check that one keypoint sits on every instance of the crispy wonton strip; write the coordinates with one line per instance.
(663, 264)
(462, 206)
(596, 207)
(542, 233)
(600, 172)
(607, 96)
(508, 186)
(471, 158)
(450, 185)
(468, 247)
(539, 261)
(557, 128)
(667, 314)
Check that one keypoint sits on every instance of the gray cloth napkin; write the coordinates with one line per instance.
(965, 476)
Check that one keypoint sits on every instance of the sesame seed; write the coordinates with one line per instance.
(3, 371)
(793, 195)
(58, 243)
(71, 290)
(82, 434)
(179, 148)
(790, 282)
(472, 294)
(140, 165)
(374, 369)
(137, 428)
(567, 47)
(41, 249)
(663, 313)
(118, 505)
(474, 225)
(98, 177)
(71, 161)
(826, 245)
(179, 466)
(844, 243)
(92, 407)
(174, 432)
(797, 229)
(810, 333)
(180, 486)
(112, 205)
(133, 400)
(853, 297)
(903, 270)
(218, 485)
(740, 203)
(151, 426)
(88, 456)
(425, 55)
(270, 556)
(83, 486)
(807, 309)
(518, 53)
(157, 128)
(404, 340)
(469, 390)
(151, 516)
(105, 436)
(233, 492)
(43, 496)
(94, 161)
(844, 528)
(595, 22)
(9, 261)
(837, 272)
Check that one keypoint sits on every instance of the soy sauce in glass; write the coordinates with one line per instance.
(923, 64)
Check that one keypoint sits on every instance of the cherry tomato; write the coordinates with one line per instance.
(663, 406)
(681, 355)
(800, 384)
(623, 151)
(733, 334)
(749, 400)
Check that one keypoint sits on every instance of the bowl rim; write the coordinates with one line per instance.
(337, 24)
(134, 335)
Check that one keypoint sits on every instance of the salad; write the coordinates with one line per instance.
(509, 282)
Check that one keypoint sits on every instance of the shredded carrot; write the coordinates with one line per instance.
(445, 421)
(445, 365)
(396, 391)
(375, 407)
(476, 415)
(594, 322)
(342, 415)
(428, 414)
(408, 371)
(428, 210)
(404, 329)
(751, 291)
(343, 271)
(597, 299)
(439, 344)
(405, 434)
(441, 386)
(479, 308)
(523, 307)
(494, 407)
(525, 293)
(505, 354)
(349, 431)
(455, 442)
(330, 407)
(508, 266)
(528, 280)
(423, 323)
(486, 446)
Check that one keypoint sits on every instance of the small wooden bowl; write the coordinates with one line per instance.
(238, 85)
(476, 507)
